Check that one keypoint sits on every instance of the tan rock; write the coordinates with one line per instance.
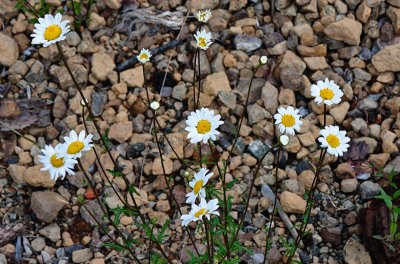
(17, 173)
(269, 94)
(394, 14)
(46, 205)
(35, 177)
(307, 139)
(216, 82)
(96, 22)
(133, 77)
(346, 30)
(307, 177)
(379, 160)
(102, 65)
(386, 59)
(113, 4)
(121, 131)
(9, 51)
(292, 203)
(316, 63)
(157, 167)
(355, 253)
(339, 112)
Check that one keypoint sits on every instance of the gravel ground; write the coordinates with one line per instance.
(352, 42)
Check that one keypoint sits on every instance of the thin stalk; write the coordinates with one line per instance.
(145, 86)
(324, 115)
(225, 234)
(19, 134)
(74, 14)
(101, 165)
(194, 80)
(210, 257)
(171, 193)
(103, 209)
(309, 206)
(248, 197)
(173, 150)
(199, 78)
(31, 8)
(131, 252)
(116, 167)
(274, 207)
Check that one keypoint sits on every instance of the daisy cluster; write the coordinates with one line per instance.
(332, 138)
(202, 126)
(61, 159)
(203, 38)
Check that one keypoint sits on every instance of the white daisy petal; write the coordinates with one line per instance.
(76, 144)
(50, 30)
(202, 126)
(57, 167)
(288, 120)
(203, 40)
(334, 140)
(326, 92)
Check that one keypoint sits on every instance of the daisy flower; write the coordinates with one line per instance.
(288, 120)
(49, 30)
(200, 180)
(202, 125)
(334, 140)
(144, 56)
(76, 144)
(198, 211)
(57, 167)
(203, 16)
(327, 92)
(203, 39)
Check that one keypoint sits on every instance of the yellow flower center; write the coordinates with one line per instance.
(201, 212)
(203, 126)
(203, 16)
(326, 94)
(143, 56)
(288, 120)
(75, 147)
(57, 163)
(52, 32)
(333, 141)
(197, 186)
(202, 42)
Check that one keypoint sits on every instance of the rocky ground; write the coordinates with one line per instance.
(353, 42)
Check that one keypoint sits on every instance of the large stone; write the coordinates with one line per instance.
(102, 65)
(394, 14)
(216, 83)
(355, 253)
(292, 203)
(79, 71)
(8, 49)
(46, 205)
(257, 113)
(121, 131)
(346, 30)
(17, 173)
(38, 178)
(83, 255)
(52, 232)
(386, 59)
(290, 70)
(8, 9)
(133, 77)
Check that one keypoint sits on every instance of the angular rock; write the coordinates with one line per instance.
(46, 205)
(83, 255)
(121, 131)
(292, 203)
(257, 113)
(269, 94)
(247, 43)
(52, 232)
(216, 83)
(346, 30)
(36, 177)
(386, 59)
(355, 253)
(369, 190)
(9, 52)
(102, 65)
(133, 77)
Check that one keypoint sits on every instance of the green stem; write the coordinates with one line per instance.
(199, 79)
(171, 193)
(274, 206)
(210, 257)
(104, 142)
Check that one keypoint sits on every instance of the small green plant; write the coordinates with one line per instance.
(25, 6)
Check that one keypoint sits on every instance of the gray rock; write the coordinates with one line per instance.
(367, 104)
(95, 210)
(247, 43)
(257, 148)
(99, 99)
(257, 113)
(228, 99)
(73, 38)
(369, 189)
(83, 255)
(179, 91)
(38, 244)
(52, 232)
(258, 258)
(46, 205)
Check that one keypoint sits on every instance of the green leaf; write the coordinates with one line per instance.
(386, 198)
(393, 228)
(132, 189)
(115, 173)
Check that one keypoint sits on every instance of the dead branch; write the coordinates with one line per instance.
(10, 232)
